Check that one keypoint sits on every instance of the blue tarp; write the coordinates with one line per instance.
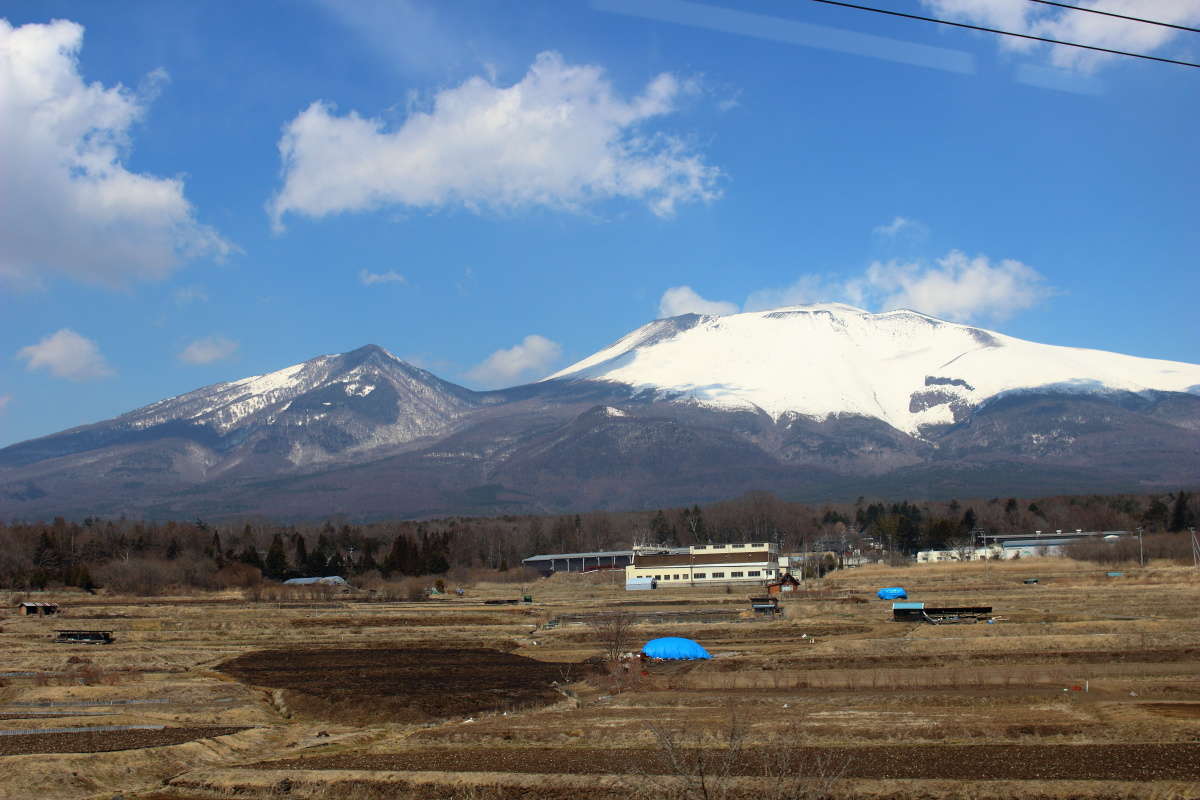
(891, 593)
(675, 648)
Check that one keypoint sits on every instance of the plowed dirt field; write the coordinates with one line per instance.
(401, 685)
(105, 741)
(1131, 762)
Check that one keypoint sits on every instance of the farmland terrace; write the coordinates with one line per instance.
(1085, 686)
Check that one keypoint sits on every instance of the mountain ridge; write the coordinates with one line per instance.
(805, 401)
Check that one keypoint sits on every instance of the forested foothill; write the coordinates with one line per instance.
(157, 557)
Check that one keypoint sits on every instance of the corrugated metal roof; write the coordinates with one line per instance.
(909, 605)
(40, 604)
(557, 556)
(335, 580)
(751, 557)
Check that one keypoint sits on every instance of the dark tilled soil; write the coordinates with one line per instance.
(425, 621)
(1129, 762)
(105, 741)
(402, 685)
(19, 715)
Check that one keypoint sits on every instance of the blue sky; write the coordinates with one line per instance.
(196, 193)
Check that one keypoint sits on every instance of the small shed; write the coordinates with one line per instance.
(83, 637)
(767, 605)
(908, 611)
(37, 609)
(786, 583)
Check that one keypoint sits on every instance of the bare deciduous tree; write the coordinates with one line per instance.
(614, 630)
(694, 769)
(725, 766)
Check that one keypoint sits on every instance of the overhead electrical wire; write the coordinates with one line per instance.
(1007, 33)
(1118, 16)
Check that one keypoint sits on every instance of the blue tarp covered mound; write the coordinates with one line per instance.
(675, 648)
(891, 593)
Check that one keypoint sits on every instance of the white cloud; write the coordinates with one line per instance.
(900, 225)
(684, 300)
(407, 34)
(208, 350)
(5, 399)
(528, 360)
(955, 287)
(1074, 26)
(80, 212)
(66, 354)
(371, 278)
(559, 138)
(805, 290)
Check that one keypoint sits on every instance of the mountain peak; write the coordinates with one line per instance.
(369, 353)
(903, 367)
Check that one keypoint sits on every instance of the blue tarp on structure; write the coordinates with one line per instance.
(891, 593)
(674, 648)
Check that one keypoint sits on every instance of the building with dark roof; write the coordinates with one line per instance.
(578, 562)
(754, 562)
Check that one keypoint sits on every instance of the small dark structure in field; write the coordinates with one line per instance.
(766, 605)
(37, 609)
(939, 615)
(83, 637)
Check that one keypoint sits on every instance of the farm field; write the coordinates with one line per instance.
(1085, 686)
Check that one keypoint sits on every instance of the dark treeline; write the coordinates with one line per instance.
(145, 557)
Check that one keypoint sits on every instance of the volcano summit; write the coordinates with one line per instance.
(810, 401)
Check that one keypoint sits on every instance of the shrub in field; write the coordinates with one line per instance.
(707, 766)
(615, 632)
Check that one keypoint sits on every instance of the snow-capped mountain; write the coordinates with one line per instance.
(330, 406)
(811, 402)
(904, 368)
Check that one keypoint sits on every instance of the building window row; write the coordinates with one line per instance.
(753, 573)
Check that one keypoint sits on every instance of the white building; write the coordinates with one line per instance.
(1007, 551)
(755, 562)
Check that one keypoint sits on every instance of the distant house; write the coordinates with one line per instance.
(786, 583)
(37, 609)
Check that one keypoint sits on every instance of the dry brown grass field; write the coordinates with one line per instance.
(1085, 686)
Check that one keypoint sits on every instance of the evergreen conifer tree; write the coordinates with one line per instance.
(276, 566)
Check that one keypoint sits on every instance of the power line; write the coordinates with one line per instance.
(1007, 33)
(1118, 16)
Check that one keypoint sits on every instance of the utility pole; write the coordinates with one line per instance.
(1141, 558)
(1195, 549)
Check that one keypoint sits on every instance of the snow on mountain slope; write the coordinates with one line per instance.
(905, 368)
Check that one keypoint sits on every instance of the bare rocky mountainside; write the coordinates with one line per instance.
(811, 402)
